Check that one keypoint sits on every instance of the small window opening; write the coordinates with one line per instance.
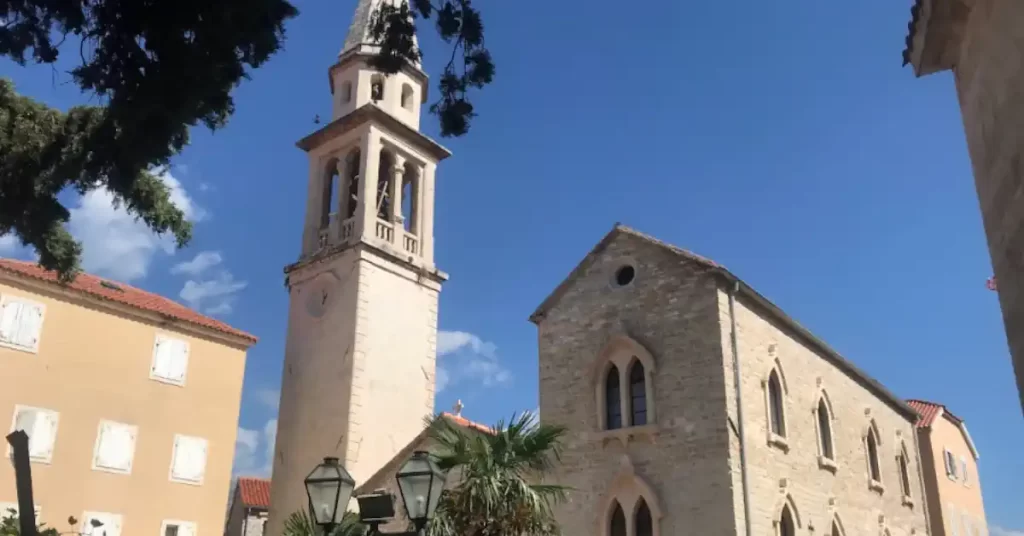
(377, 88)
(876, 474)
(330, 189)
(904, 474)
(644, 522)
(346, 92)
(625, 275)
(825, 429)
(618, 521)
(778, 422)
(407, 96)
(612, 400)
(786, 525)
(637, 395)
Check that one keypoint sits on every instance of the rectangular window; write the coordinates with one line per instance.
(115, 447)
(963, 470)
(100, 524)
(178, 528)
(21, 323)
(188, 461)
(41, 426)
(170, 360)
(950, 465)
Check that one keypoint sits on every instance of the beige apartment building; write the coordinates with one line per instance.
(982, 43)
(951, 480)
(696, 406)
(130, 401)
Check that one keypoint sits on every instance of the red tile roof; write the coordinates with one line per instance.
(929, 411)
(254, 492)
(121, 293)
(466, 423)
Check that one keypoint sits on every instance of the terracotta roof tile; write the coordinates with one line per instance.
(255, 492)
(466, 423)
(121, 293)
(929, 411)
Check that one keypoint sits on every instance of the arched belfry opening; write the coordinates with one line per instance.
(351, 190)
(331, 189)
(384, 173)
(410, 199)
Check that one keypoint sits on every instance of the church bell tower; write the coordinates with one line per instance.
(359, 367)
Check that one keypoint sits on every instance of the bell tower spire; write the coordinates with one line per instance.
(360, 356)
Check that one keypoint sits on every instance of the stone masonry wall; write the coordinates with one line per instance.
(671, 309)
(819, 495)
(990, 83)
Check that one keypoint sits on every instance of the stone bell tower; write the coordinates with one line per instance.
(359, 368)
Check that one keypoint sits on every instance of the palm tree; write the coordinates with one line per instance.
(300, 524)
(499, 489)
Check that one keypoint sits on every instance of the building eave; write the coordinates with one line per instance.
(371, 112)
(76, 297)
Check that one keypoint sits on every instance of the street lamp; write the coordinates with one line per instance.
(420, 481)
(329, 487)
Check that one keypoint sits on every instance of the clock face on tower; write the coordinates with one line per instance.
(321, 292)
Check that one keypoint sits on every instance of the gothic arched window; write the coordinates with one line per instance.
(384, 185)
(330, 189)
(776, 411)
(613, 399)
(637, 395)
(904, 471)
(825, 430)
(617, 525)
(787, 527)
(873, 467)
(836, 531)
(644, 523)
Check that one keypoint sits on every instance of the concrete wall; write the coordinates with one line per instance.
(816, 494)
(94, 363)
(990, 84)
(951, 501)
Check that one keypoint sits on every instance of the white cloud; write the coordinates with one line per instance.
(254, 450)
(270, 398)
(467, 357)
(202, 262)
(117, 244)
(996, 530)
(212, 296)
(8, 244)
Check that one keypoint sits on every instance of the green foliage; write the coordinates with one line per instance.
(469, 67)
(300, 524)
(157, 68)
(9, 525)
(500, 490)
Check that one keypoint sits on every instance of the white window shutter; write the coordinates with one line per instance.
(963, 468)
(178, 362)
(189, 462)
(116, 446)
(30, 324)
(9, 313)
(44, 432)
(186, 529)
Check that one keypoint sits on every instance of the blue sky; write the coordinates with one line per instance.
(783, 140)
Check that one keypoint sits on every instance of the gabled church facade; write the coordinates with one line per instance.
(696, 406)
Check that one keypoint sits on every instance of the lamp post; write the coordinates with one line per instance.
(420, 482)
(329, 488)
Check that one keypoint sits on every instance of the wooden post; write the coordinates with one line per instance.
(18, 440)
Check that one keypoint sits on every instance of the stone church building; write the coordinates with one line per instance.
(695, 406)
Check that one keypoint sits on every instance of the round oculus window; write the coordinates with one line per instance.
(625, 275)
